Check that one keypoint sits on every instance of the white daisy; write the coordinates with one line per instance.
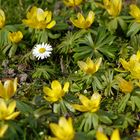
(42, 51)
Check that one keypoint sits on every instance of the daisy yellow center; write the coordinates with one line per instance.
(42, 50)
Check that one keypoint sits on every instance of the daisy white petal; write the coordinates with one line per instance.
(42, 51)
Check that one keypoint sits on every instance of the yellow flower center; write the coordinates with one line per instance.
(42, 50)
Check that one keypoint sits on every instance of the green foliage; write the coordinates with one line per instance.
(95, 44)
(108, 37)
(43, 72)
(70, 41)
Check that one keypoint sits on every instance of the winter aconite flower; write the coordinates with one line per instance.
(3, 129)
(63, 130)
(15, 37)
(101, 136)
(8, 89)
(124, 86)
(82, 22)
(135, 12)
(113, 7)
(133, 65)
(7, 111)
(72, 3)
(39, 19)
(89, 67)
(57, 92)
(42, 51)
(88, 105)
(2, 18)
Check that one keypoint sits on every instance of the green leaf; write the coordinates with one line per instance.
(133, 29)
(43, 72)
(12, 50)
(112, 25)
(122, 23)
(105, 119)
(136, 100)
(24, 108)
(95, 44)
(123, 103)
(95, 120)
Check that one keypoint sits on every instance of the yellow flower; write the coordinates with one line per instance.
(125, 86)
(56, 93)
(133, 65)
(39, 19)
(15, 37)
(72, 2)
(8, 89)
(101, 136)
(63, 130)
(135, 12)
(7, 112)
(2, 18)
(113, 7)
(88, 105)
(3, 129)
(89, 67)
(81, 22)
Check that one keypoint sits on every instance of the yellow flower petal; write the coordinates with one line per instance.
(66, 125)
(47, 90)
(77, 2)
(66, 87)
(51, 24)
(124, 86)
(98, 63)
(51, 99)
(11, 107)
(84, 100)
(72, 2)
(57, 130)
(101, 136)
(124, 63)
(115, 135)
(12, 116)
(2, 18)
(96, 98)
(9, 88)
(63, 130)
(3, 106)
(15, 37)
(3, 129)
(40, 14)
(83, 66)
(80, 108)
(90, 17)
(56, 85)
(2, 91)
(48, 16)
(135, 12)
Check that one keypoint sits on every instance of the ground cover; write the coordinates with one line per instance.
(69, 69)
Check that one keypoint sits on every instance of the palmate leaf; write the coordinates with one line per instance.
(108, 83)
(135, 42)
(89, 120)
(123, 103)
(125, 120)
(43, 72)
(69, 41)
(96, 44)
(135, 102)
(134, 28)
